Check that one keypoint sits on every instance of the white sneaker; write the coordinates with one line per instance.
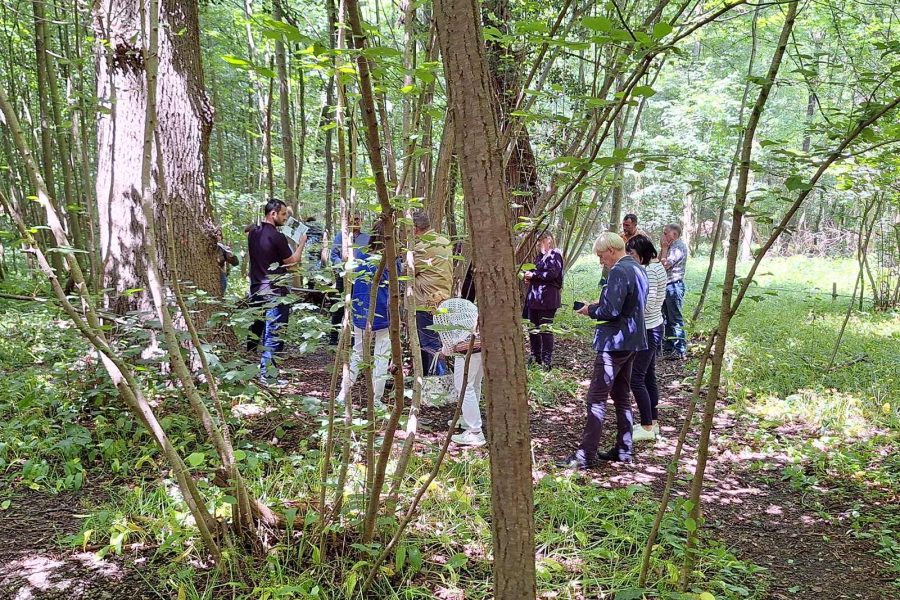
(469, 438)
(639, 434)
(656, 430)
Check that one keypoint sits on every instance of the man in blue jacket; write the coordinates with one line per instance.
(618, 336)
(358, 239)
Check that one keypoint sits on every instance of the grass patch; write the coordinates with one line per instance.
(589, 541)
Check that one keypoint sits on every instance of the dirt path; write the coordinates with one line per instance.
(32, 565)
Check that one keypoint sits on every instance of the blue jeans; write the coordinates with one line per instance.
(674, 336)
(276, 316)
(430, 342)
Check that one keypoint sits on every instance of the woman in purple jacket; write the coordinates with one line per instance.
(545, 283)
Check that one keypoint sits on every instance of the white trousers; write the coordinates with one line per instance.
(381, 356)
(471, 410)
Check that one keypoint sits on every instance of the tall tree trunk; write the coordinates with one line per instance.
(47, 145)
(618, 192)
(287, 135)
(687, 217)
(327, 120)
(185, 121)
(487, 206)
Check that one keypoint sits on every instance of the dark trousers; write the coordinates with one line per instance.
(540, 339)
(612, 373)
(337, 315)
(674, 339)
(430, 342)
(643, 377)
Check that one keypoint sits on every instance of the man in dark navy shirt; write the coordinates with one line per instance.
(270, 256)
(618, 336)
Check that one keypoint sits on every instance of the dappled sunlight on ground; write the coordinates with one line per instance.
(38, 573)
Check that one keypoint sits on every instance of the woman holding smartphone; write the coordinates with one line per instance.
(545, 283)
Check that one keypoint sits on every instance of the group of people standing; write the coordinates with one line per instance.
(639, 314)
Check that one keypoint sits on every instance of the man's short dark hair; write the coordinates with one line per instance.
(674, 227)
(273, 204)
(421, 220)
(631, 217)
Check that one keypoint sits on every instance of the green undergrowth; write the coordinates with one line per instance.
(589, 541)
(837, 425)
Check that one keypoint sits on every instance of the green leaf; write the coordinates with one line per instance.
(400, 558)
(639, 166)
(425, 75)
(350, 584)
(661, 30)
(707, 596)
(381, 52)
(415, 558)
(457, 560)
(5, 504)
(643, 90)
(796, 183)
(597, 23)
(531, 26)
(265, 72)
(630, 594)
(239, 455)
(690, 524)
(196, 459)
(234, 60)
(492, 34)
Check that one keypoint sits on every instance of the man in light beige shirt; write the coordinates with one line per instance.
(432, 284)
(630, 228)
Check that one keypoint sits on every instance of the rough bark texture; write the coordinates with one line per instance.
(185, 121)
(284, 104)
(488, 211)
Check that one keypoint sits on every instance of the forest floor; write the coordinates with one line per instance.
(803, 538)
(33, 565)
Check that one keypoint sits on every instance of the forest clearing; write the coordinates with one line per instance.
(454, 300)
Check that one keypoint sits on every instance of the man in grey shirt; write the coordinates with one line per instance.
(674, 259)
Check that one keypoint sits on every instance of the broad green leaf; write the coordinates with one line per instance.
(690, 524)
(796, 183)
(661, 30)
(643, 90)
(598, 23)
(196, 459)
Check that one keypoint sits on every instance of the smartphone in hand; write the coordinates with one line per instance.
(577, 305)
